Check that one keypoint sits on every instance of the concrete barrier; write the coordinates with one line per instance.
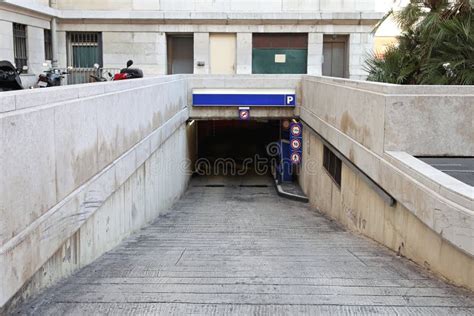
(82, 167)
(433, 221)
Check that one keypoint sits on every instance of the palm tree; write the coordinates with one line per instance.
(436, 45)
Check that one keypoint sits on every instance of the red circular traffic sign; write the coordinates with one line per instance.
(295, 130)
(244, 114)
(296, 144)
(295, 158)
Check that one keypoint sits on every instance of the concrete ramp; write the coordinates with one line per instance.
(241, 249)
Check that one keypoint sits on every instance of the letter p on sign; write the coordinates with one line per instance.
(290, 100)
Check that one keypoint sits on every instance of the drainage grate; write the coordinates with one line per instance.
(253, 186)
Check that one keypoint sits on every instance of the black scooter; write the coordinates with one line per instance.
(51, 78)
(9, 77)
(125, 73)
(129, 73)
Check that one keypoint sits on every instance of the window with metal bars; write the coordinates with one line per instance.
(48, 45)
(84, 49)
(333, 165)
(20, 51)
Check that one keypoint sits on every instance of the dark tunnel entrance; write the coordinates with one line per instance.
(236, 148)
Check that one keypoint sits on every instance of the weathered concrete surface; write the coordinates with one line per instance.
(243, 251)
(64, 152)
(352, 116)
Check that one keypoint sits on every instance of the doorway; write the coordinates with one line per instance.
(180, 54)
(335, 56)
(222, 53)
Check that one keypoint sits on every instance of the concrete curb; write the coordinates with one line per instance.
(291, 196)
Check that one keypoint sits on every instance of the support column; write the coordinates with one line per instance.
(201, 53)
(62, 49)
(54, 43)
(244, 53)
(360, 46)
(315, 54)
(36, 56)
(162, 54)
(6, 38)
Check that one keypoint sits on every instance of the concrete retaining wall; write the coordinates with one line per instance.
(358, 207)
(421, 120)
(75, 157)
(433, 217)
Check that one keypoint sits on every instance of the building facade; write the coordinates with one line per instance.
(318, 37)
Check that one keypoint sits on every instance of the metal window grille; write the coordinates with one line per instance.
(48, 45)
(20, 51)
(84, 49)
(332, 164)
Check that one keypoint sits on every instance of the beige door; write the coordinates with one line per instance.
(222, 53)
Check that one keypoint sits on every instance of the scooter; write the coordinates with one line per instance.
(129, 73)
(100, 75)
(51, 78)
(10, 76)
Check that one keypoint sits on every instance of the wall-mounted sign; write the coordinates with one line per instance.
(296, 142)
(280, 58)
(244, 97)
(244, 114)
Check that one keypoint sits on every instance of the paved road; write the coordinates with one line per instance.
(242, 250)
(459, 168)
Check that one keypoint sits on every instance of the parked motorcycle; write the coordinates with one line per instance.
(10, 76)
(129, 73)
(51, 78)
(101, 75)
(125, 73)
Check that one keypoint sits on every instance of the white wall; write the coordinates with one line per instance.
(36, 54)
(6, 41)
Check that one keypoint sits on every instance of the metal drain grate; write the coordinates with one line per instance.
(253, 186)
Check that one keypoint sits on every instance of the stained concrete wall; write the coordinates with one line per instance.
(421, 120)
(358, 207)
(70, 151)
(358, 119)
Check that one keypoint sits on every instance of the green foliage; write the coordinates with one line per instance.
(436, 45)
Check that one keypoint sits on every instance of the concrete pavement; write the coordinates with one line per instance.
(233, 247)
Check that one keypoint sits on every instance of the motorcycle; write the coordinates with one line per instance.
(10, 76)
(125, 73)
(129, 73)
(100, 75)
(51, 78)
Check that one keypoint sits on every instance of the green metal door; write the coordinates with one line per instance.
(279, 61)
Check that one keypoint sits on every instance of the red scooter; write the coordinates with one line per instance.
(125, 73)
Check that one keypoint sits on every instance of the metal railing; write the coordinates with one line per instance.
(83, 75)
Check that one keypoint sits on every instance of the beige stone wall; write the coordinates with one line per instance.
(359, 208)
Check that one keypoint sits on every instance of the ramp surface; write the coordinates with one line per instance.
(233, 247)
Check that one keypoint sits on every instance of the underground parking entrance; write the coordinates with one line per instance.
(248, 153)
